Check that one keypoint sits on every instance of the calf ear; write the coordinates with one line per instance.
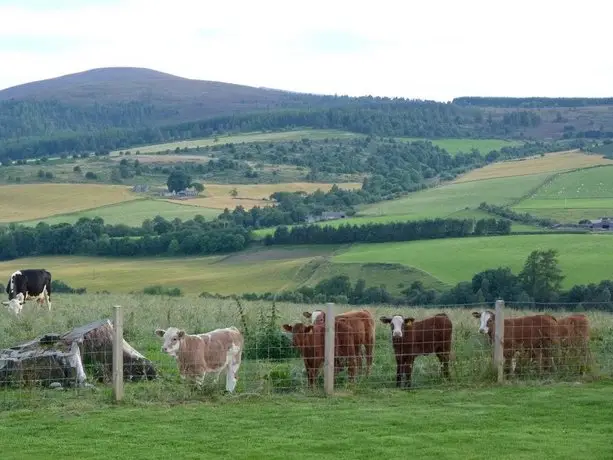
(476, 314)
(307, 314)
(160, 332)
(287, 327)
(181, 334)
(385, 319)
(5, 302)
(409, 321)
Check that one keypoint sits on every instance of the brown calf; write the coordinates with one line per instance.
(363, 325)
(536, 334)
(310, 341)
(411, 339)
(574, 334)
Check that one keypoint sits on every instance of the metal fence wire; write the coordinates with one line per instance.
(264, 348)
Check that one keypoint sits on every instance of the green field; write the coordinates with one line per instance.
(565, 422)
(454, 146)
(571, 197)
(447, 199)
(133, 213)
(257, 270)
(458, 259)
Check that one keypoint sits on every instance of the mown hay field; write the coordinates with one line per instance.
(240, 138)
(37, 201)
(455, 146)
(453, 260)
(549, 163)
(133, 213)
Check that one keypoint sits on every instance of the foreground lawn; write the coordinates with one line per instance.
(572, 421)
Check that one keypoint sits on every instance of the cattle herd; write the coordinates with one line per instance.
(537, 336)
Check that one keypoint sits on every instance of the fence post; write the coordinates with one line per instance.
(329, 351)
(499, 340)
(117, 353)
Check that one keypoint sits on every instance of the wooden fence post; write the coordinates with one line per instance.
(499, 340)
(329, 351)
(117, 353)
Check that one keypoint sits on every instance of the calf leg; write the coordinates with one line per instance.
(232, 372)
(443, 357)
(408, 372)
(369, 356)
(398, 373)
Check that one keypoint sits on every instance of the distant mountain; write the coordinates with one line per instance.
(169, 97)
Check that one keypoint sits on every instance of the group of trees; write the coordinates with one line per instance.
(394, 231)
(539, 282)
(92, 237)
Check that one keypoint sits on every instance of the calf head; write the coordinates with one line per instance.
(486, 321)
(15, 304)
(300, 333)
(17, 283)
(316, 317)
(172, 339)
(397, 324)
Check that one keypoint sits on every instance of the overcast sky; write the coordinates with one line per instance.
(406, 48)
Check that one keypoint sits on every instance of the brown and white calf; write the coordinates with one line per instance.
(537, 335)
(363, 325)
(200, 354)
(411, 339)
(310, 341)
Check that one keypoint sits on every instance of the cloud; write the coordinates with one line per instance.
(434, 50)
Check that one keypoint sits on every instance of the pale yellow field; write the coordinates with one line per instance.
(253, 194)
(36, 201)
(164, 158)
(551, 162)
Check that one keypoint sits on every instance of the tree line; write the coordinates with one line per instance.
(539, 282)
(388, 232)
(531, 102)
(407, 119)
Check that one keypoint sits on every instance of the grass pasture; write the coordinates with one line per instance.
(257, 270)
(133, 213)
(570, 197)
(28, 202)
(453, 260)
(450, 198)
(454, 146)
(364, 419)
(549, 163)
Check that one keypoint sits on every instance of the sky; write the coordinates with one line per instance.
(434, 50)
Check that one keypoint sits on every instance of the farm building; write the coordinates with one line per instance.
(326, 215)
(604, 223)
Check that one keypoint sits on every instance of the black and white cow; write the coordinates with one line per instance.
(30, 283)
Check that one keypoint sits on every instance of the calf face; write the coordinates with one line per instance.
(486, 321)
(317, 316)
(172, 336)
(396, 323)
(301, 334)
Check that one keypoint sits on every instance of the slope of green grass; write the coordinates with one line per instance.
(133, 213)
(571, 197)
(458, 259)
(450, 198)
(565, 422)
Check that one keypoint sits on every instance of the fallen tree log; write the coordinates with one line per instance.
(60, 360)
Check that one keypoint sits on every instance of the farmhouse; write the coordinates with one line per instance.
(327, 215)
(181, 195)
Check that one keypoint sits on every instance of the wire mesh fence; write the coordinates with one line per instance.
(169, 353)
